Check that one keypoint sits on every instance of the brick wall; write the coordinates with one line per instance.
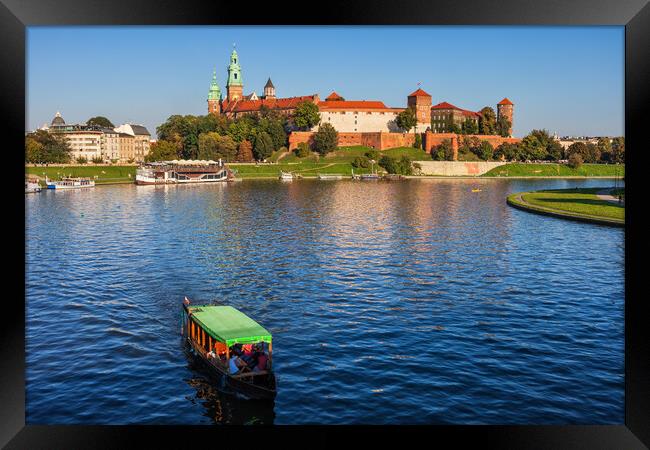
(377, 140)
(432, 140)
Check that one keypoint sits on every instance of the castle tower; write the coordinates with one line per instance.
(421, 102)
(214, 96)
(235, 85)
(506, 108)
(269, 89)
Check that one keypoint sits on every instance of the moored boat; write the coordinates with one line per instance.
(233, 346)
(286, 176)
(70, 183)
(31, 185)
(330, 177)
(173, 172)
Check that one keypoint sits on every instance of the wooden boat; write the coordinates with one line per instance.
(286, 176)
(70, 183)
(31, 185)
(213, 333)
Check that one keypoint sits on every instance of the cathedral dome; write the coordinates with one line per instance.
(58, 120)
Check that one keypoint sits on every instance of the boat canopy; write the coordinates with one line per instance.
(229, 325)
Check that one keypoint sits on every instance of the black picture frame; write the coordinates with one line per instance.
(16, 15)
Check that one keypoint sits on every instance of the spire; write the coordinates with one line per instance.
(269, 84)
(234, 70)
(215, 92)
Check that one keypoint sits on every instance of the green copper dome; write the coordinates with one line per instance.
(234, 71)
(214, 93)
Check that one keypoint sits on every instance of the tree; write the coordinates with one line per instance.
(306, 115)
(532, 149)
(361, 162)
(242, 129)
(372, 154)
(161, 151)
(245, 152)
(618, 150)
(507, 152)
(444, 151)
(487, 122)
(485, 151)
(263, 146)
(452, 127)
(417, 143)
(575, 160)
(214, 146)
(51, 148)
(503, 126)
(406, 119)
(325, 139)
(469, 126)
(100, 121)
(302, 150)
(403, 166)
(275, 129)
(605, 146)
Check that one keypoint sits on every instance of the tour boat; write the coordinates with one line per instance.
(69, 183)
(286, 176)
(368, 176)
(173, 172)
(330, 177)
(31, 185)
(214, 333)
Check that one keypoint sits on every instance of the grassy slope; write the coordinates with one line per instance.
(579, 201)
(105, 174)
(557, 170)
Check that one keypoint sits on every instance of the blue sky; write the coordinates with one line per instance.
(568, 80)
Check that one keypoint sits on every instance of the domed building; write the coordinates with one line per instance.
(58, 120)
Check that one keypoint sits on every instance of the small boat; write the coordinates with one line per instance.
(286, 176)
(70, 183)
(31, 185)
(215, 332)
(393, 177)
(368, 176)
(330, 177)
(183, 171)
(476, 190)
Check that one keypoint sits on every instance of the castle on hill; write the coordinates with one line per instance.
(346, 116)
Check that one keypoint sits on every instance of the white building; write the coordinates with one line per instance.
(141, 144)
(357, 116)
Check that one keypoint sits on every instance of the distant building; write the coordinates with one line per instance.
(357, 115)
(445, 114)
(141, 142)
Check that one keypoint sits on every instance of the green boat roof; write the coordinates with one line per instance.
(229, 325)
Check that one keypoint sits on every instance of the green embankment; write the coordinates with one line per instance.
(556, 170)
(104, 174)
(578, 204)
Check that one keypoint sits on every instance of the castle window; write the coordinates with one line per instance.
(235, 76)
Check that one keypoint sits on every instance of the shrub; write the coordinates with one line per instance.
(443, 152)
(372, 154)
(575, 160)
(402, 166)
(325, 139)
(361, 162)
(82, 160)
(98, 160)
(302, 150)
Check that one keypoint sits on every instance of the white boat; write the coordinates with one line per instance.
(31, 185)
(70, 183)
(286, 176)
(330, 177)
(172, 172)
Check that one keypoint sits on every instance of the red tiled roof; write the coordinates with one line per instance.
(505, 101)
(419, 93)
(333, 96)
(255, 105)
(465, 112)
(352, 104)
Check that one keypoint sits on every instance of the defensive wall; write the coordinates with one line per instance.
(382, 140)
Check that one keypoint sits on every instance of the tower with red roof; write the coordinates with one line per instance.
(505, 108)
(421, 102)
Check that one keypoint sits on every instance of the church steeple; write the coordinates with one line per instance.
(235, 84)
(269, 89)
(214, 95)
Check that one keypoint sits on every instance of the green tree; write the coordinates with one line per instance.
(245, 152)
(275, 129)
(485, 151)
(214, 146)
(469, 126)
(34, 151)
(161, 151)
(263, 146)
(503, 126)
(487, 122)
(443, 152)
(605, 146)
(302, 150)
(402, 166)
(507, 152)
(372, 154)
(575, 160)
(361, 162)
(100, 121)
(452, 127)
(618, 150)
(532, 149)
(406, 119)
(417, 143)
(242, 129)
(325, 139)
(54, 147)
(306, 115)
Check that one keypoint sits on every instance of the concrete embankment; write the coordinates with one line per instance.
(458, 168)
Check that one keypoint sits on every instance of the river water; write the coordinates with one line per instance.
(414, 302)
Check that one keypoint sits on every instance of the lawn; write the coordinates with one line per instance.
(104, 174)
(556, 170)
(575, 201)
(305, 169)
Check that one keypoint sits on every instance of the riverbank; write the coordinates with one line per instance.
(101, 174)
(595, 205)
(527, 170)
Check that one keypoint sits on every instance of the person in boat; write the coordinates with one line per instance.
(261, 359)
(247, 355)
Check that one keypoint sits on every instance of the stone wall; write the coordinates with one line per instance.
(432, 140)
(377, 140)
(458, 168)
